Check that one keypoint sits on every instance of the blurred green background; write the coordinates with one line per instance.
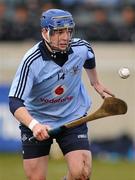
(11, 169)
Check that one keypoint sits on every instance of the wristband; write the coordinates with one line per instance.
(32, 124)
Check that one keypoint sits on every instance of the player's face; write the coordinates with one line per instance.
(60, 38)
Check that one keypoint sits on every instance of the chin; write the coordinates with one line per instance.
(63, 48)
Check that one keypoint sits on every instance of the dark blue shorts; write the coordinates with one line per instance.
(71, 139)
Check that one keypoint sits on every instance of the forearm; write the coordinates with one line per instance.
(39, 131)
(19, 110)
(92, 75)
(23, 116)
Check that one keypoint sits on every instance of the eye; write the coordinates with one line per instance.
(70, 30)
(60, 31)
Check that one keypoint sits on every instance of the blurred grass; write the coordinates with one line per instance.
(11, 169)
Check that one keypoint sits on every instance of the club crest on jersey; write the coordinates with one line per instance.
(75, 69)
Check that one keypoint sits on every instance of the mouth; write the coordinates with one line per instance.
(63, 45)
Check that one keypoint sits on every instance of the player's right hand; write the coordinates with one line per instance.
(40, 131)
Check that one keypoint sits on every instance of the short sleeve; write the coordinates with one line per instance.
(22, 82)
(90, 62)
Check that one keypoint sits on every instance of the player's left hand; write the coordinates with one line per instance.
(104, 92)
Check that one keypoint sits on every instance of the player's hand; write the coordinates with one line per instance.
(40, 131)
(104, 92)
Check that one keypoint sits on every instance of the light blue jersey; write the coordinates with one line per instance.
(53, 94)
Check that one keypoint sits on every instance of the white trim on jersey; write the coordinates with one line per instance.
(24, 73)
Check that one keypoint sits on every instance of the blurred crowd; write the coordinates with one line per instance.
(96, 20)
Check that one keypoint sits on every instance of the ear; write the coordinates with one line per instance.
(44, 30)
(44, 33)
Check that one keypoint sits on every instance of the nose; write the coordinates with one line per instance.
(66, 35)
